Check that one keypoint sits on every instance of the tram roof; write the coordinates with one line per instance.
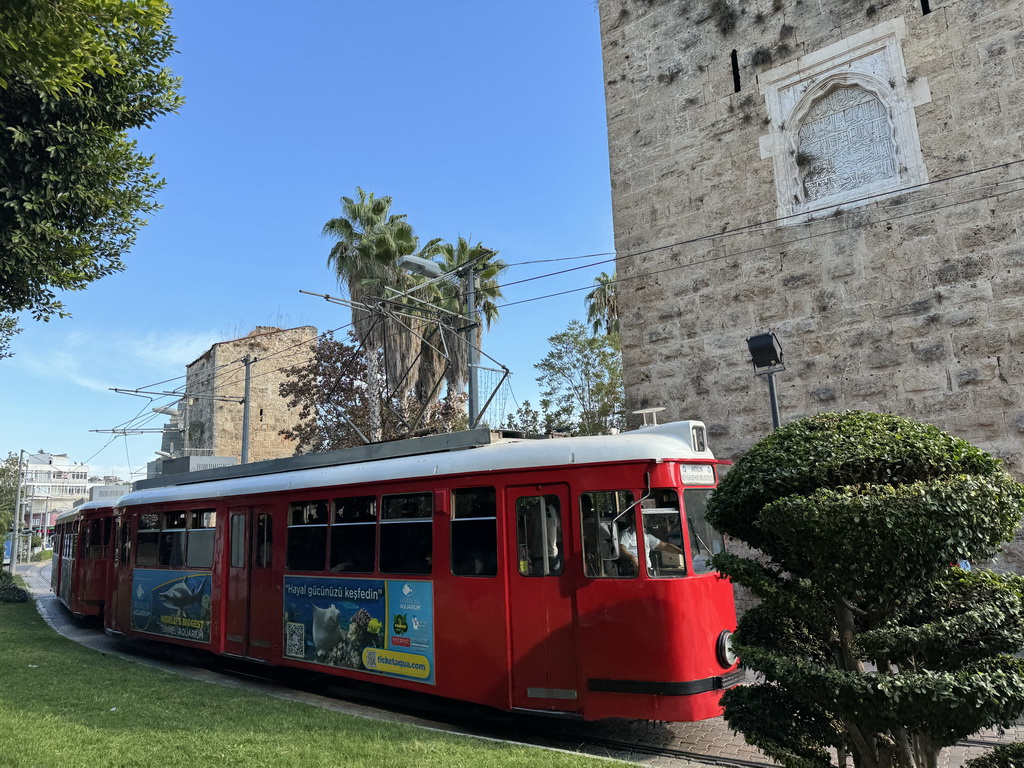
(660, 442)
(75, 511)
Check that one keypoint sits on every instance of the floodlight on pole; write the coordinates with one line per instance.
(420, 266)
(766, 355)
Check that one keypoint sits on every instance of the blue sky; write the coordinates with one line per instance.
(481, 120)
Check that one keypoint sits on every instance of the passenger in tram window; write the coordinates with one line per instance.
(628, 545)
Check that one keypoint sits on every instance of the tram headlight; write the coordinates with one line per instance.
(726, 655)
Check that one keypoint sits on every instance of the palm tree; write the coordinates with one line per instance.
(369, 242)
(603, 305)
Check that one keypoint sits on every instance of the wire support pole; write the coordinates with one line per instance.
(473, 352)
(247, 361)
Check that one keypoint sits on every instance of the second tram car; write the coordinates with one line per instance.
(82, 561)
(505, 573)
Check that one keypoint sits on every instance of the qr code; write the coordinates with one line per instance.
(294, 639)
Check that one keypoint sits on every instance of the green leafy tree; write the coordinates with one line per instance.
(603, 305)
(75, 77)
(8, 329)
(330, 397)
(581, 381)
(8, 491)
(867, 639)
(528, 419)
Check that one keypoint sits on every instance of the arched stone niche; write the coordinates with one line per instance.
(843, 127)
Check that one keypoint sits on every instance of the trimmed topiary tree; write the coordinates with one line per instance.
(867, 637)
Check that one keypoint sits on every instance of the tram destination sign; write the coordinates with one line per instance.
(697, 474)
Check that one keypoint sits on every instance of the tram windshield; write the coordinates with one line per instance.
(613, 548)
(705, 541)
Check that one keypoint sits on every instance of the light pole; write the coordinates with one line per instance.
(16, 527)
(766, 354)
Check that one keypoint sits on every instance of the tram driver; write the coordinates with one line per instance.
(628, 545)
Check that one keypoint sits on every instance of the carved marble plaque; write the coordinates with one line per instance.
(845, 143)
(843, 131)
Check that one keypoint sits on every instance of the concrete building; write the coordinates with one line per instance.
(107, 492)
(51, 483)
(845, 174)
(215, 382)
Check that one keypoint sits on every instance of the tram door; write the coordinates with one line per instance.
(541, 605)
(250, 620)
(117, 614)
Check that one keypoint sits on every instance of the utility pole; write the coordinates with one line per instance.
(247, 361)
(472, 353)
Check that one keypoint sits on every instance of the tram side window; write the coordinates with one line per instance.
(705, 541)
(238, 541)
(406, 533)
(264, 540)
(172, 539)
(126, 539)
(85, 536)
(201, 524)
(539, 535)
(663, 533)
(148, 541)
(602, 514)
(474, 532)
(354, 534)
(68, 541)
(98, 541)
(307, 535)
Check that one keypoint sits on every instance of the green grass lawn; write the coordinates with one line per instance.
(63, 705)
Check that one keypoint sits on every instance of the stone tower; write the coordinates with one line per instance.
(214, 426)
(845, 173)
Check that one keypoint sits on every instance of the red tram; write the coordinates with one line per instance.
(82, 557)
(471, 566)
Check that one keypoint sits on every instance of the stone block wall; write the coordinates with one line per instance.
(216, 426)
(904, 294)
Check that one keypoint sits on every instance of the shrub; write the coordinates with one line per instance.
(10, 592)
(1003, 756)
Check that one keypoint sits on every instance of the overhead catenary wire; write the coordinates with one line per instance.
(983, 192)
